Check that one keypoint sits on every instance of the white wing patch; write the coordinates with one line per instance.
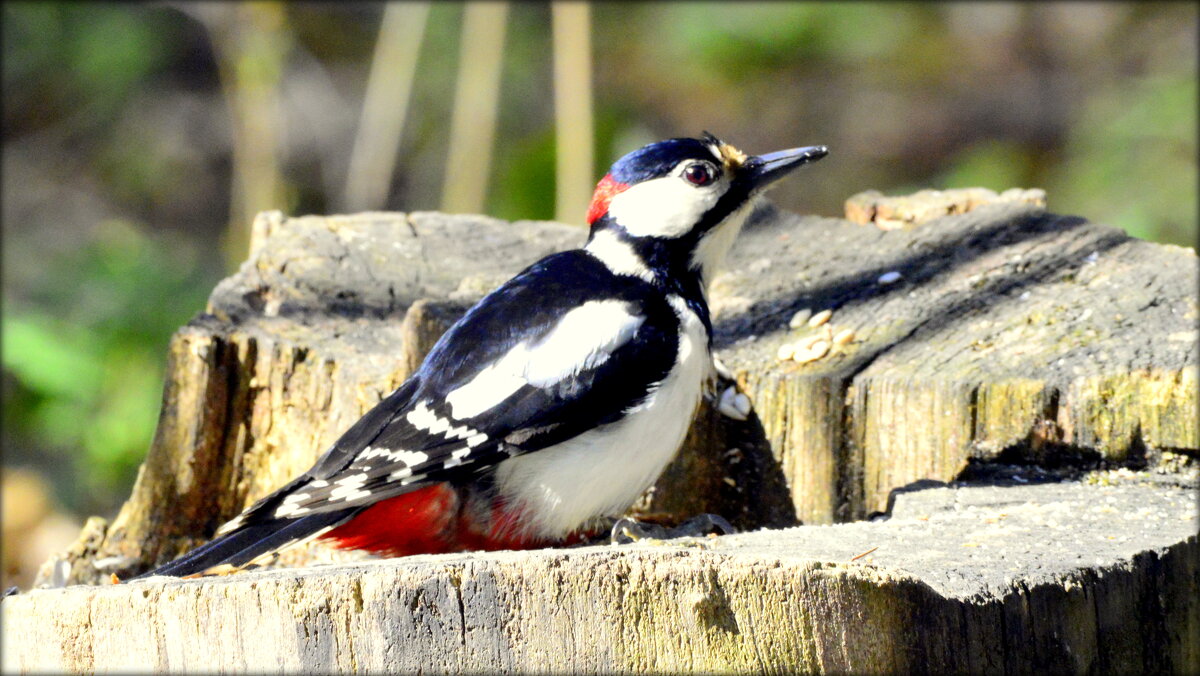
(425, 419)
(347, 488)
(584, 338)
(409, 458)
(350, 487)
(489, 387)
(291, 505)
(403, 465)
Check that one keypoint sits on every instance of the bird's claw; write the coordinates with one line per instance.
(627, 530)
(702, 525)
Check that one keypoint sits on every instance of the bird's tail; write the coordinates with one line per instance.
(251, 538)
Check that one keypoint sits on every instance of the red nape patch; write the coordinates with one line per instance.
(606, 189)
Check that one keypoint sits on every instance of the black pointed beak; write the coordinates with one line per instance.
(763, 170)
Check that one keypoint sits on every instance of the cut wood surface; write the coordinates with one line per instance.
(999, 332)
(1080, 577)
(1007, 328)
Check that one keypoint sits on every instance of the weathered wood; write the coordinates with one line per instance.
(893, 213)
(1010, 332)
(1093, 577)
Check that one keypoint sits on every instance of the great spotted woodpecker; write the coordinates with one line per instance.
(556, 400)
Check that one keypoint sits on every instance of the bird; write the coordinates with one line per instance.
(554, 402)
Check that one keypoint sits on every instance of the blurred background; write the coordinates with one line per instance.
(140, 139)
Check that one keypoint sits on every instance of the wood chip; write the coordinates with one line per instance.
(855, 558)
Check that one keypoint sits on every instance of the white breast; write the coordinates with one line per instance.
(602, 471)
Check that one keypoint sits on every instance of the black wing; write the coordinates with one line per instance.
(559, 349)
(589, 344)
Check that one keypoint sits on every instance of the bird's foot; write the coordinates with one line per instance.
(627, 530)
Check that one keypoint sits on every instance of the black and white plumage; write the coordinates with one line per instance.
(557, 399)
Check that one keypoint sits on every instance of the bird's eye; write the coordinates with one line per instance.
(698, 174)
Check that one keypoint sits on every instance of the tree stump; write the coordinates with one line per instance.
(968, 331)
(1051, 577)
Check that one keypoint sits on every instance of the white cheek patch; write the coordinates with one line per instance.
(663, 207)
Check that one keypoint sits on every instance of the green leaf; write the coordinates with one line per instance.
(49, 357)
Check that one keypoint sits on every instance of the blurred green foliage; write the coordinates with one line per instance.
(738, 41)
(86, 353)
(89, 54)
(119, 150)
(1136, 138)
